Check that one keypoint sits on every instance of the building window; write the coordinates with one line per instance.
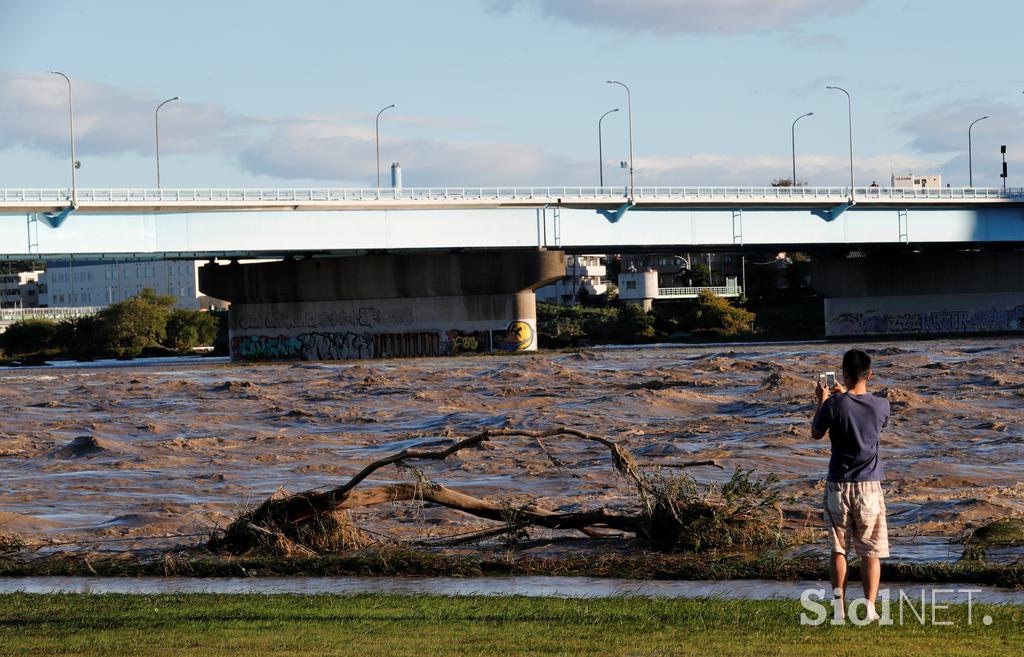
(630, 285)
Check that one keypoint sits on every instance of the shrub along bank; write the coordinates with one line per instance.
(147, 324)
(708, 316)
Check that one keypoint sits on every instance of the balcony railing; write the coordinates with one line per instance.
(493, 194)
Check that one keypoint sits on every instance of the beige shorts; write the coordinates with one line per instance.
(855, 513)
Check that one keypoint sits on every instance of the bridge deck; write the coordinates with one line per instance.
(226, 199)
(186, 224)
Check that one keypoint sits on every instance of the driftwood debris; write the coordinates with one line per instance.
(318, 521)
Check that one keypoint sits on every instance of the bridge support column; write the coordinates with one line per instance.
(381, 306)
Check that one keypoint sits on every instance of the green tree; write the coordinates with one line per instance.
(715, 315)
(81, 337)
(187, 329)
(700, 274)
(132, 325)
(635, 322)
(29, 336)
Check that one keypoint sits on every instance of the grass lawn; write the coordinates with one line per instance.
(368, 625)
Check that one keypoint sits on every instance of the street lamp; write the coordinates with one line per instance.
(849, 117)
(377, 130)
(74, 162)
(970, 152)
(156, 117)
(793, 134)
(600, 147)
(629, 113)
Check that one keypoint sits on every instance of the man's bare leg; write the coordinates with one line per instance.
(837, 571)
(870, 576)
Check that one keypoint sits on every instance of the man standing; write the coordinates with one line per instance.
(854, 502)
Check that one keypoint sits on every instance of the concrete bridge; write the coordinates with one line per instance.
(419, 271)
(202, 223)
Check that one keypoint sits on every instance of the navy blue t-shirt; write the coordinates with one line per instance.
(853, 423)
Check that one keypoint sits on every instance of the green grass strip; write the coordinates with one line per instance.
(371, 625)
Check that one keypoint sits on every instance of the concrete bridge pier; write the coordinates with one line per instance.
(383, 306)
(943, 292)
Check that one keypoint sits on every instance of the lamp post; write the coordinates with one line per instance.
(793, 134)
(970, 152)
(156, 118)
(600, 147)
(849, 117)
(377, 131)
(74, 162)
(629, 113)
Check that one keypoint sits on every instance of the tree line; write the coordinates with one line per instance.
(146, 324)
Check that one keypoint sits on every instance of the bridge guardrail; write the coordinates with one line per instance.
(718, 290)
(11, 315)
(413, 194)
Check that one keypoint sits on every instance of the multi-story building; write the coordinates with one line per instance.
(21, 289)
(586, 273)
(103, 282)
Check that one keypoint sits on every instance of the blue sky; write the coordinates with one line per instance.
(507, 91)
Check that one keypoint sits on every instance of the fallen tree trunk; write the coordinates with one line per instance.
(293, 518)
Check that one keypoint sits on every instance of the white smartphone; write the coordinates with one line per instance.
(830, 380)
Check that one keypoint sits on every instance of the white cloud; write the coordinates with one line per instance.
(323, 151)
(943, 130)
(684, 16)
(760, 170)
(340, 150)
(108, 120)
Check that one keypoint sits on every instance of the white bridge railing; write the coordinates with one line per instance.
(490, 194)
(12, 315)
(694, 292)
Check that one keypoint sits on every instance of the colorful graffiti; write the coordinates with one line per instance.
(263, 347)
(348, 345)
(946, 321)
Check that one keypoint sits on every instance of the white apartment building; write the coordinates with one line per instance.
(582, 272)
(103, 282)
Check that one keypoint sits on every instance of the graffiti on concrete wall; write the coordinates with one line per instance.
(945, 321)
(347, 345)
(264, 347)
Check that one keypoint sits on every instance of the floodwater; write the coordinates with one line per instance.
(114, 455)
(558, 587)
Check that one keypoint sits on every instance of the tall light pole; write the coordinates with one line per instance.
(793, 134)
(970, 153)
(629, 113)
(600, 147)
(377, 130)
(849, 118)
(156, 118)
(71, 115)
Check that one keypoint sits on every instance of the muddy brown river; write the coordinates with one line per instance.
(94, 453)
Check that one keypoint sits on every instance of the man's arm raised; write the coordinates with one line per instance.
(819, 424)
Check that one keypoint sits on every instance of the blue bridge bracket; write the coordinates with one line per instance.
(54, 220)
(831, 214)
(613, 216)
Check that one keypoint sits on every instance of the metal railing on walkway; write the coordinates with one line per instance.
(694, 292)
(12, 315)
(491, 194)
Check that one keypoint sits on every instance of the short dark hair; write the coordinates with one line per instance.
(856, 364)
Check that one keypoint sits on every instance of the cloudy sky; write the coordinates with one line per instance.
(507, 91)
